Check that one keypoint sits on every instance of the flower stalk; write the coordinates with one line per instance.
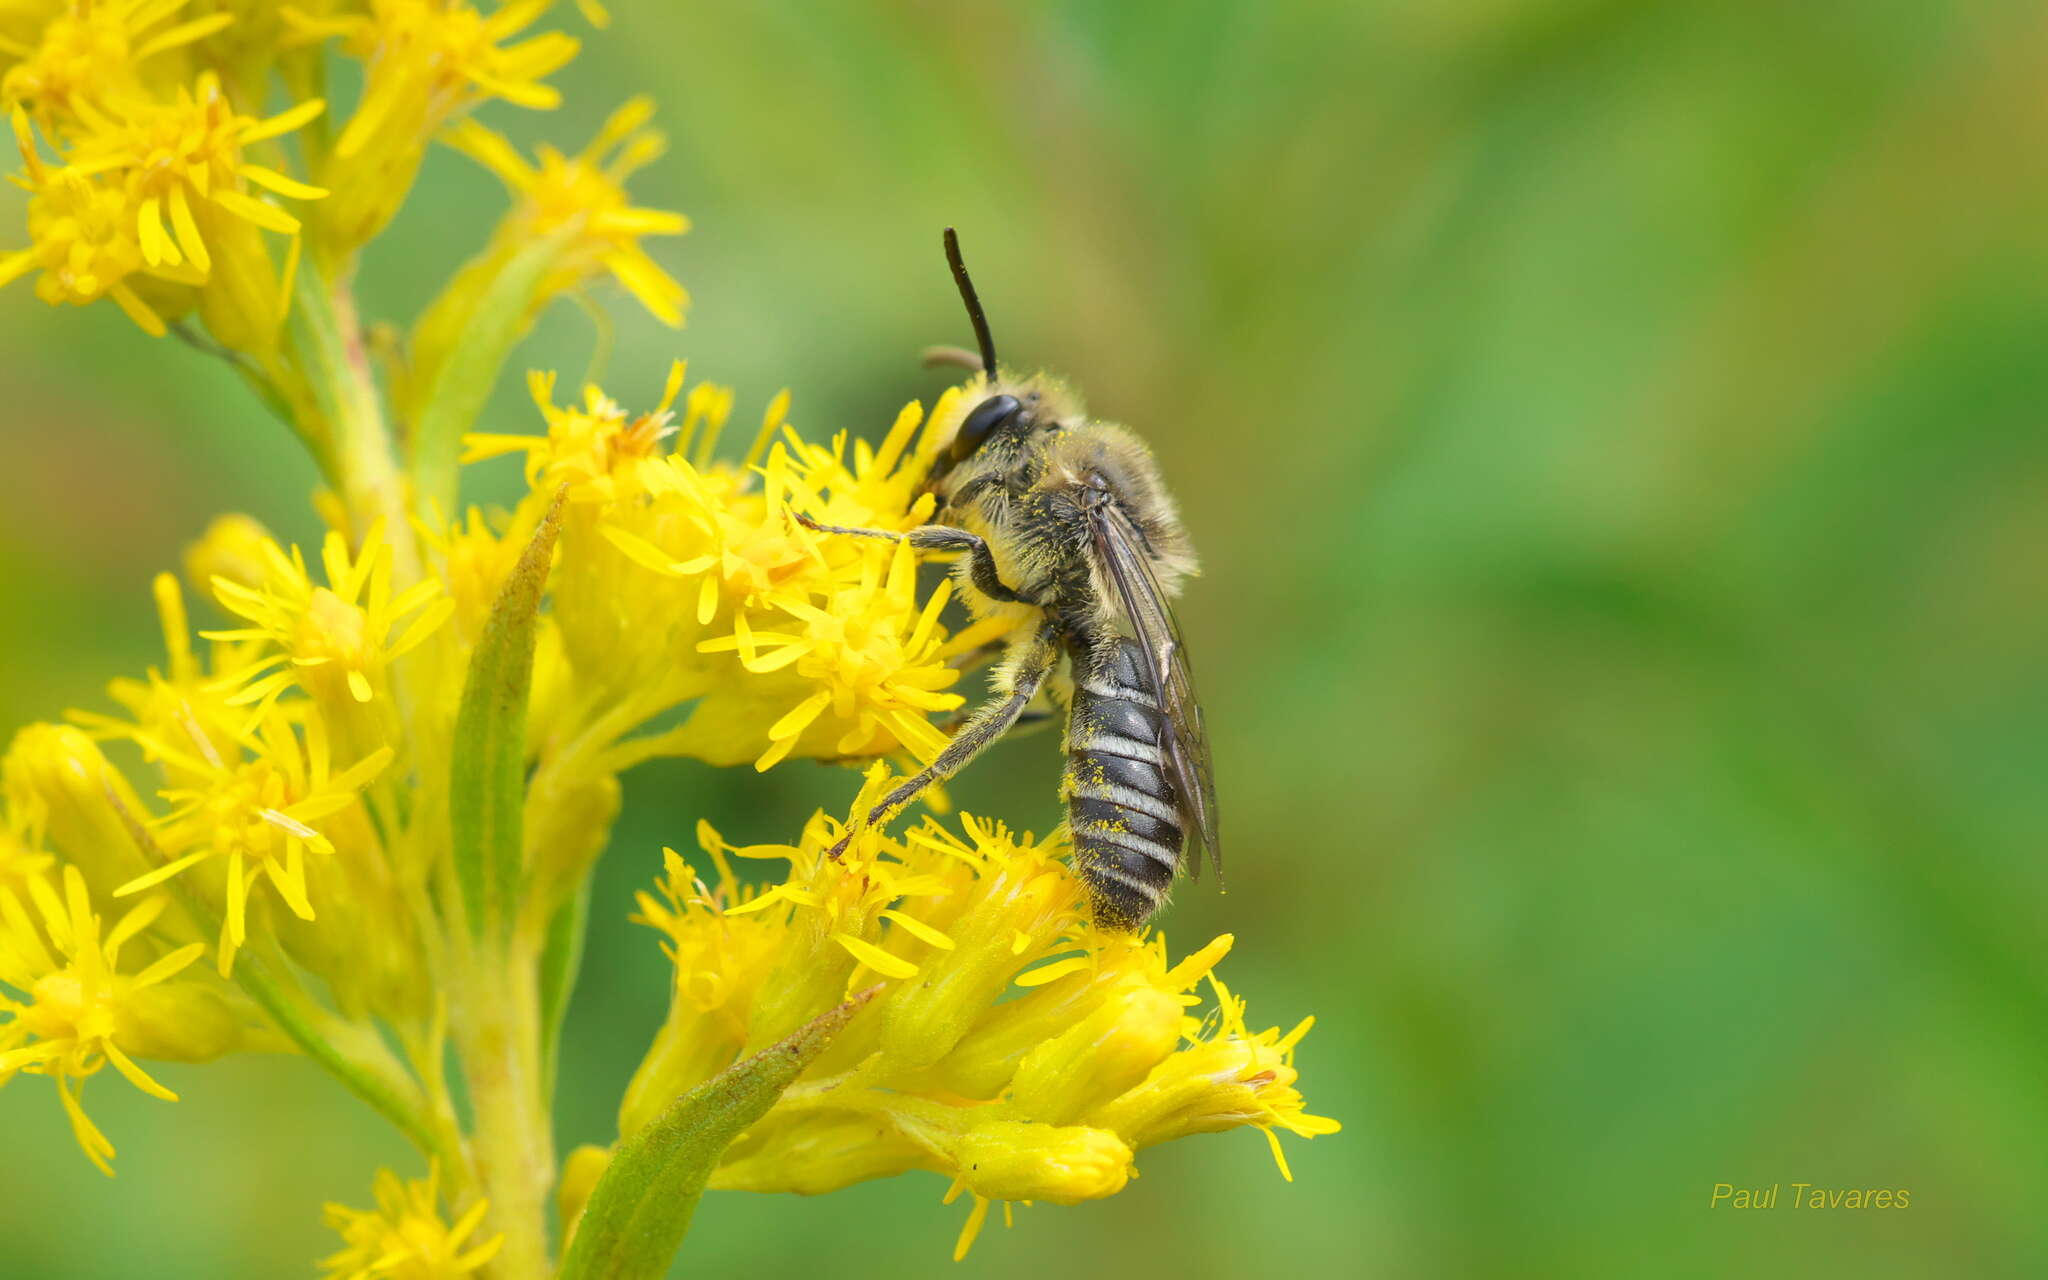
(351, 413)
(496, 1026)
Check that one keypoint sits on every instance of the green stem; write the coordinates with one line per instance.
(497, 1028)
(373, 488)
(350, 1052)
(354, 1056)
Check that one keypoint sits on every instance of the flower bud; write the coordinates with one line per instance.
(185, 1021)
(580, 1172)
(57, 778)
(812, 1152)
(986, 1059)
(566, 831)
(1109, 1051)
(233, 547)
(243, 301)
(1012, 913)
(1235, 1079)
(1018, 1160)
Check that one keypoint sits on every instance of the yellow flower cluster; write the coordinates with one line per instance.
(1017, 1050)
(154, 173)
(374, 786)
(685, 578)
(83, 995)
(146, 194)
(405, 1237)
(425, 63)
(287, 751)
(571, 210)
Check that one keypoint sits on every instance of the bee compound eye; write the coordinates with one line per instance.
(987, 416)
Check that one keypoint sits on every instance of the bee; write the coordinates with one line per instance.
(1063, 523)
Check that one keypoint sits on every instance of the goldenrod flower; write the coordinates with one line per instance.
(475, 555)
(417, 744)
(21, 858)
(179, 157)
(194, 726)
(183, 708)
(233, 547)
(92, 52)
(72, 1014)
(22, 23)
(873, 656)
(846, 660)
(255, 814)
(426, 62)
(1003, 903)
(64, 795)
(1019, 1052)
(594, 447)
(405, 1237)
(572, 208)
(160, 187)
(85, 238)
(333, 638)
(721, 952)
(580, 203)
(1229, 1078)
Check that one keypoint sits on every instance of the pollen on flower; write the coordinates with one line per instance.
(405, 1237)
(65, 1021)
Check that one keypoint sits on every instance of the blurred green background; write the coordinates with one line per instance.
(1615, 435)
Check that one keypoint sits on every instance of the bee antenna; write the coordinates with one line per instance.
(973, 301)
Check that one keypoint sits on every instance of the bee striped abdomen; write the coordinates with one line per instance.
(1121, 806)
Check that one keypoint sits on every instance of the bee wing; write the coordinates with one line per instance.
(1134, 593)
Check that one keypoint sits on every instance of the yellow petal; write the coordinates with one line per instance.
(284, 121)
(272, 180)
(263, 215)
(889, 966)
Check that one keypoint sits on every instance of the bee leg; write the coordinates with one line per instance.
(978, 657)
(940, 537)
(989, 722)
(1027, 722)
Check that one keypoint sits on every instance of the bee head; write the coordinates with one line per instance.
(988, 417)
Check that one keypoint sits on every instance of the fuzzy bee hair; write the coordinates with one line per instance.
(1069, 532)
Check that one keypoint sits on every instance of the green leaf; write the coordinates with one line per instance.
(462, 385)
(487, 776)
(641, 1207)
